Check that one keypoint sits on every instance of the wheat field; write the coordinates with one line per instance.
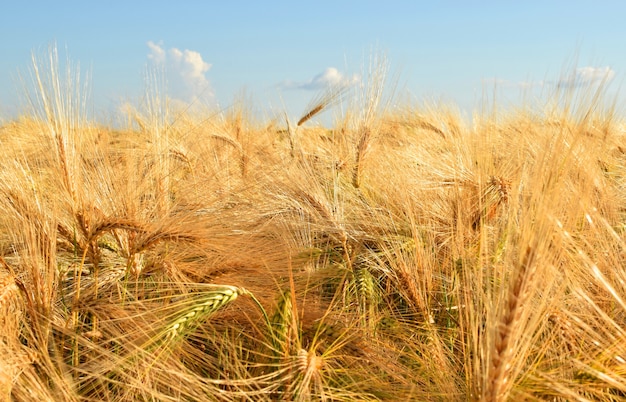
(405, 253)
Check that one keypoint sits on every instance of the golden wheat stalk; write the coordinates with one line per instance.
(244, 158)
(499, 382)
(309, 365)
(361, 150)
(9, 314)
(425, 125)
(329, 97)
(309, 115)
(409, 288)
(324, 212)
(60, 100)
(494, 195)
(92, 284)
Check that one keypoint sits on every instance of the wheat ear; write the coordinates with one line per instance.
(318, 108)
(202, 307)
(281, 322)
(365, 287)
(499, 382)
(329, 97)
(361, 150)
(8, 307)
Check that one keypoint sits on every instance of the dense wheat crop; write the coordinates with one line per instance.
(404, 254)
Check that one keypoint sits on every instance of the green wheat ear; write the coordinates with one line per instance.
(365, 284)
(203, 305)
(281, 322)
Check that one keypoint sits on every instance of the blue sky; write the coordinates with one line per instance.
(282, 52)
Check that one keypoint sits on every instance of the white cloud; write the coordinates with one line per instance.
(496, 82)
(157, 54)
(594, 74)
(581, 77)
(585, 76)
(501, 83)
(185, 71)
(329, 77)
